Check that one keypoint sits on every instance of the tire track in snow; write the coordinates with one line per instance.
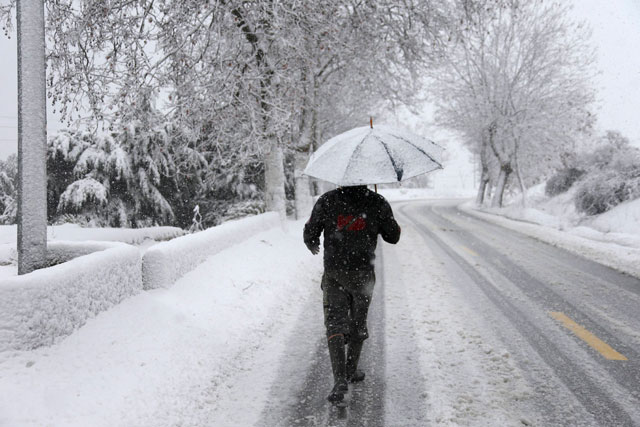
(406, 386)
(605, 410)
(470, 377)
(626, 374)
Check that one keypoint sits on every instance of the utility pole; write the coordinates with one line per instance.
(32, 137)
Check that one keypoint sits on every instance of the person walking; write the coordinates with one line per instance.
(351, 218)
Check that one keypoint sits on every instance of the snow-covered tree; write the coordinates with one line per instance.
(131, 176)
(516, 82)
(249, 81)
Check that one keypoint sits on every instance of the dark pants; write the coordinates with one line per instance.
(346, 299)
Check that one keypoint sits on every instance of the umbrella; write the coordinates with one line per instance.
(368, 155)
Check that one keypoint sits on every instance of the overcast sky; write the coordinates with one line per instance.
(616, 35)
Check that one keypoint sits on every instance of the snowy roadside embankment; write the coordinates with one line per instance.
(165, 262)
(39, 307)
(174, 356)
(612, 238)
(90, 277)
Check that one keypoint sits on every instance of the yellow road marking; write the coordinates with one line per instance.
(469, 251)
(586, 336)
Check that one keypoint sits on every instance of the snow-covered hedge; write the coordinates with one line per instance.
(562, 181)
(613, 176)
(38, 307)
(166, 262)
(63, 251)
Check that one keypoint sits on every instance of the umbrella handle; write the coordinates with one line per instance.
(376, 187)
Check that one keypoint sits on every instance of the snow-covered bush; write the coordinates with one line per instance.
(38, 308)
(562, 181)
(8, 190)
(83, 193)
(216, 212)
(140, 176)
(600, 192)
(232, 193)
(613, 176)
(129, 178)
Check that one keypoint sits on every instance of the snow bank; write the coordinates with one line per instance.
(624, 218)
(75, 232)
(39, 307)
(63, 251)
(134, 236)
(203, 352)
(166, 262)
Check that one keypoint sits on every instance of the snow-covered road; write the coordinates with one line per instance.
(562, 322)
(471, 324)
(474, 324)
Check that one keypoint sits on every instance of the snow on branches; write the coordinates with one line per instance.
(244, 84)
(516, 82)
(83, 193)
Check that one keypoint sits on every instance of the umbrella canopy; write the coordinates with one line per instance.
(368, 155)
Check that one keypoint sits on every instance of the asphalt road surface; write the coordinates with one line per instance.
(571, 326)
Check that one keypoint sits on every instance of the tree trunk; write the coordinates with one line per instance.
(503, 178)
(523, 188)
(303, 185)
(274, 181)
(484, 176)
(304, 199)
(482, 190)
(313, 135)
(274, 177)
(32, 137)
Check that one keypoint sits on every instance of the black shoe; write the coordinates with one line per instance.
(357, 376)
(337, 393)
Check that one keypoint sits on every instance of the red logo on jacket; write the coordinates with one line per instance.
(351, 223)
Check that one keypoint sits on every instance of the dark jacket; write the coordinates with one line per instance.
(351, 218)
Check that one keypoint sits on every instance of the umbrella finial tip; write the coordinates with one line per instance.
(371, 121)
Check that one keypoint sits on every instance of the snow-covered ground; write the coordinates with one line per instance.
(205, 349)
(435, 332)
(171, 356)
